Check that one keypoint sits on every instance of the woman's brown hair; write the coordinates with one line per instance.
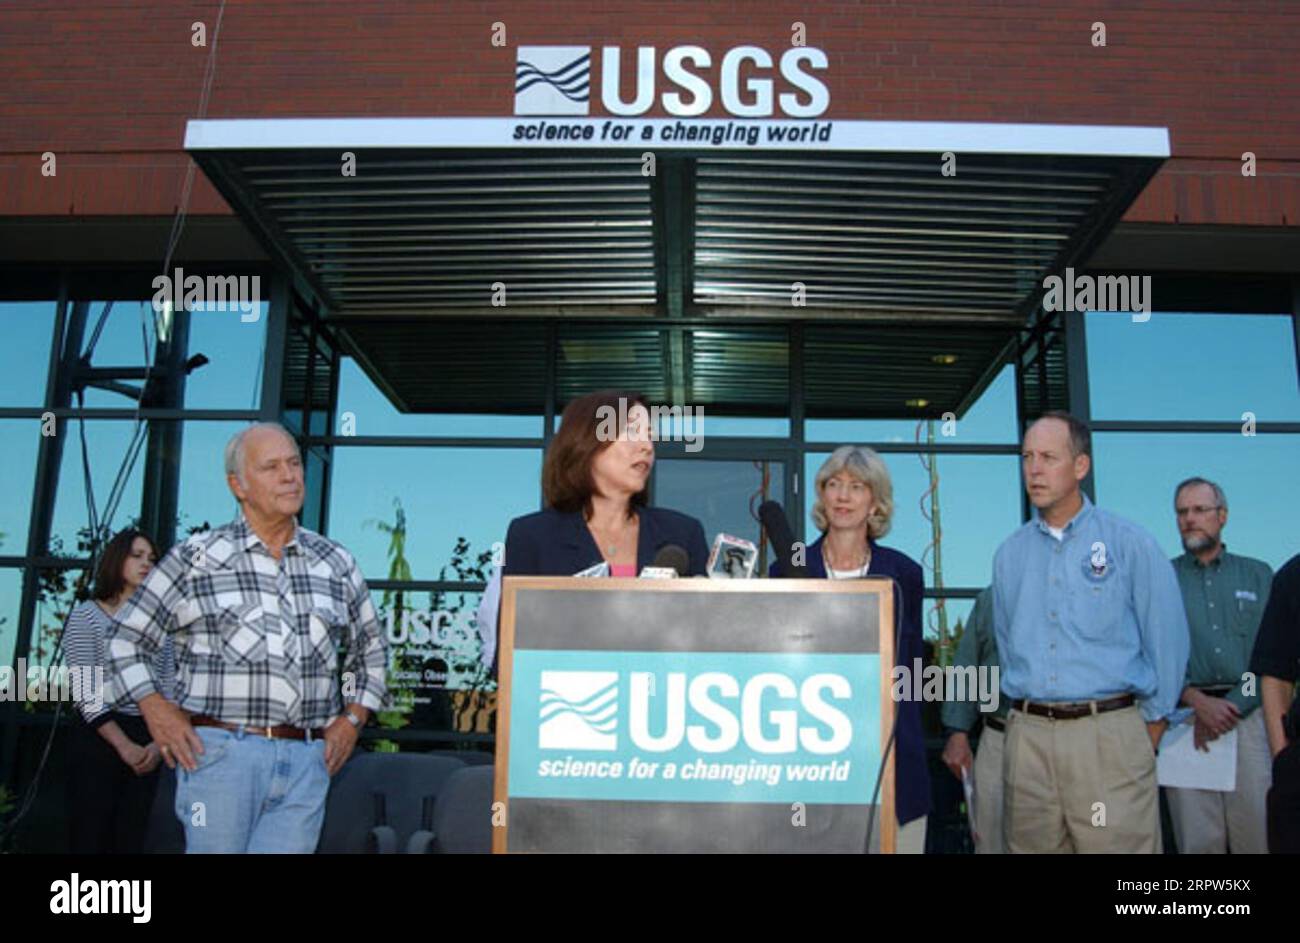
(108, 575)
(567, 482)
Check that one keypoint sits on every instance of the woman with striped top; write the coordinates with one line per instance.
(114, 762)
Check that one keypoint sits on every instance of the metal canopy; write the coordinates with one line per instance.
(453, 275)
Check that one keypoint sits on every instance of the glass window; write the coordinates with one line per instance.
(723, 495)
(107, 442)
(954, 612)
(19, 441)
(59, 590)
(992, 418)
(708, 424)
(364, 410)
(232, 378)
(979, 506)
(1192, 366)
(25, 355)
(120, 343)
(11, 594)
(205, 500)
(1136, 474)
(440, 496)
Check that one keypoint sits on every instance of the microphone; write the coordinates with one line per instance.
(732, 558)
(670, 562)
(772, 515)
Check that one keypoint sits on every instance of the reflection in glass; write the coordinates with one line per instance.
(373, 414)
(723, 495)
(1192, 367)
(232, 378)
(19, 441)
(108, 442)
(58, 592)
(117, 334)
(205, 500)
(991, 419)
(28, 328)
(979, 507)
(1136, 474)
(11, 588)
(671, 429)
(438, 495)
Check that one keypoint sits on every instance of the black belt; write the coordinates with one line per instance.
(1215, 690)
(997, 723)
(1076, 710)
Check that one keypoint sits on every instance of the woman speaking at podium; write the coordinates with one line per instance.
(594, 481)
(854, 506)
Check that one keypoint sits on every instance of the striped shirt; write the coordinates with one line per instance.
(83, 650)
(259, 641)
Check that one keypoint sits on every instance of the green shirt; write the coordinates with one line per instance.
(1224, 602)
(977, 646)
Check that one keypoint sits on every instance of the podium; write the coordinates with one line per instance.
(694, 716)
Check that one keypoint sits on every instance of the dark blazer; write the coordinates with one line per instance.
(558, 543)
(911, 774)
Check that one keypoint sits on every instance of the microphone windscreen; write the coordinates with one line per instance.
(673, 557)
(781, 536)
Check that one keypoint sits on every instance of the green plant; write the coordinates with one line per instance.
(394, 603)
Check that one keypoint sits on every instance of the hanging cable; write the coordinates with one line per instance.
(128, 462)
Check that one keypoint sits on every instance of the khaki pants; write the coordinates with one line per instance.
(1209, 822)
(988, 792)
(1080, 786)
(910, 838)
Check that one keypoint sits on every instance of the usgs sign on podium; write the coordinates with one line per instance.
(695, 715)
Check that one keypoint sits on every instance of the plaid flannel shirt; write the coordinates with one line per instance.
(258, 640)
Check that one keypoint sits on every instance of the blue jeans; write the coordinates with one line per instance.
(253, 795)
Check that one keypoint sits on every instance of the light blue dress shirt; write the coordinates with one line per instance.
(1096, 613)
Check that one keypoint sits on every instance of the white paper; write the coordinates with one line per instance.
(968, 787)
(1180, 764)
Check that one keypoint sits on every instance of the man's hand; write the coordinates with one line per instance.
(1217, 714)
(171, 731)
(1155, 731)
(1202, 735)
(340, 739)
(956, 753)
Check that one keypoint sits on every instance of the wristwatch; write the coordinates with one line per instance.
(353, 719)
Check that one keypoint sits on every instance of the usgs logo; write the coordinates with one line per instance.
(712, 712)
(556, 80)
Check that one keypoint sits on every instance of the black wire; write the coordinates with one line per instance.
(178, 223)
(99, 328)
(893, 728)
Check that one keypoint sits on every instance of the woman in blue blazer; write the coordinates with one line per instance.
(594, 483)
(854, 507)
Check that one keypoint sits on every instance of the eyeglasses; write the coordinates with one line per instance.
(1197, 509)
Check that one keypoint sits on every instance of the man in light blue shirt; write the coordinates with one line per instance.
(1094, 641)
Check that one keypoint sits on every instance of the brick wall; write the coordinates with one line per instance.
(108, 85)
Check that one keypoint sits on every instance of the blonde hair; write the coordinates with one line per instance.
(868, 467)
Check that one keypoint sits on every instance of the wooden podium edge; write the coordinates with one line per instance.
(510, 586)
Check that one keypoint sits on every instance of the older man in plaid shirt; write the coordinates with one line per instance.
(262, 610)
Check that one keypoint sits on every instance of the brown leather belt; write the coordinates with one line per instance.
(997, 723)
(1074, 711)
(280, 732)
